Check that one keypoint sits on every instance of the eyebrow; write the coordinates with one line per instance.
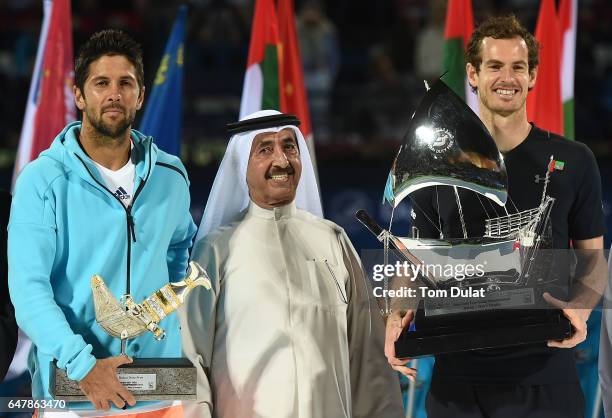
(289, 138)
(105, 77)
(270, 142)
(265, 143)
(290, 135)
(494, 61)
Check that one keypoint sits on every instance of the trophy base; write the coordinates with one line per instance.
(490, 330)
(149, 379)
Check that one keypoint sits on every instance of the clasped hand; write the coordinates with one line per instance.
(577, 316)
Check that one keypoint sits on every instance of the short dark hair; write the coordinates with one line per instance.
(501, 27)
(108, 42)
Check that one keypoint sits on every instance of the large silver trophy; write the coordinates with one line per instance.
(147, 379)
(447, 145)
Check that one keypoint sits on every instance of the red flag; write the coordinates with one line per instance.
(296, 101)
(264, 32)
(544, 106)
(264, 75)
(293, 92)
(50, 103)
(459, 22)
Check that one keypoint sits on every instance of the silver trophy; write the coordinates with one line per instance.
(447, 145)
(147, 379)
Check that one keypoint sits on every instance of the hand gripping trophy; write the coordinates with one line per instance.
(147, 379)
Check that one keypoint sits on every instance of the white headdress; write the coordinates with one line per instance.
(229, 194)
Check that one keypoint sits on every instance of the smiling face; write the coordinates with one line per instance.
(111, 96)
(274, 168)
(504, 76)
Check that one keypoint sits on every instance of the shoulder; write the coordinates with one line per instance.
(221, 234)
(562, 144)
(575, 155)
(224, 233)
(171, 162)
(215, 240)
(40, 174)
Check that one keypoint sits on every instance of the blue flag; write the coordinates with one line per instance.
(163, 114)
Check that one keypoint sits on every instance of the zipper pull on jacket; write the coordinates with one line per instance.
(131, 225)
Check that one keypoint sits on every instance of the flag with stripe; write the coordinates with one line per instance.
(163, 115)
(457, 32)
(293, 91)
(50, 103)
(263, 78)
(568, 15)
(544, 100)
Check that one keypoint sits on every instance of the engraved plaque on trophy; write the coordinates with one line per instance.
(146, 378)
(447, 145)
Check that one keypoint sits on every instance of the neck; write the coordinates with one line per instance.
(112, 153)
(508, 131)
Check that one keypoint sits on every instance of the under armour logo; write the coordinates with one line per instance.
(121, 193)
(539, 178)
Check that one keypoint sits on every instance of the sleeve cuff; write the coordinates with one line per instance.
(81, 365)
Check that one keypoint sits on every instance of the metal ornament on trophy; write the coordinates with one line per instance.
(448, 145)
(147, 378)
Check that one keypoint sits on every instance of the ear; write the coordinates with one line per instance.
(472, 75)
(79, 99)
(248, 176)
(140, 98)
(533, 75)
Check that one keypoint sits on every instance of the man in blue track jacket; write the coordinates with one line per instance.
(103, 199)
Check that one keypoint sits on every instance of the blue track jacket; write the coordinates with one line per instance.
(66, 226)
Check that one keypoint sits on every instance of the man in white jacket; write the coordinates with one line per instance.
(290, 328)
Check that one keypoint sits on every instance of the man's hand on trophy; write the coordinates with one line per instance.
(101, 384)
(396, 323)
(578, 318)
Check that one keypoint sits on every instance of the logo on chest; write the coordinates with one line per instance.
(121, 193)
(553, 165)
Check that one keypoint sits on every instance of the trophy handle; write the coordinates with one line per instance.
(398, 247)
(197, 276)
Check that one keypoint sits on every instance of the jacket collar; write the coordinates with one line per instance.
(281, 212)
(67, 149)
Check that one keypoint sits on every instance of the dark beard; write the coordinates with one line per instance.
(115, 133)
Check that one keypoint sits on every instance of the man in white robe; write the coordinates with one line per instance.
(290, 328)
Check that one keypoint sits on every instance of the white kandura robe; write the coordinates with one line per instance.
(290, 328)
